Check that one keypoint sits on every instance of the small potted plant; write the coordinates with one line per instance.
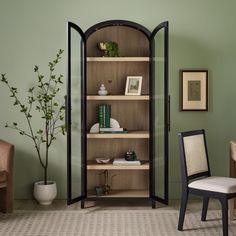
(43, 98)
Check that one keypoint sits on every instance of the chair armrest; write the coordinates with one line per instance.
(6, 156)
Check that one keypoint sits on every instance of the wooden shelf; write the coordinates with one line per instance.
(130, 134)
(111, 59)
(123, 59)
(122, 193)
(118, 97)
(93, 165)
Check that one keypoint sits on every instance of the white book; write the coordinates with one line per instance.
(122, 161)
(111, 129)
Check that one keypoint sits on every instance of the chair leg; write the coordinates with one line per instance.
(6, 197)
(231, 209)
(183, 205)
(224, 204)
(204, 208)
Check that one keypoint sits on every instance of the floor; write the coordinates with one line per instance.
(193, 205)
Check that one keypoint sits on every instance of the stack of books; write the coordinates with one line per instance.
(122, 161)
(113, 130)
(104, 115)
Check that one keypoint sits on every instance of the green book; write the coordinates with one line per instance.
(104, 115)
(101, 116)
(107, 116)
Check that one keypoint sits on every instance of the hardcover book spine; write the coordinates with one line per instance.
(101, 116)
(107, 116)
(104, 115)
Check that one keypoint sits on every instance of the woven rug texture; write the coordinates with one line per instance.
(110, 223)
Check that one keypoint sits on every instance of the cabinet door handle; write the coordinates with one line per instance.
(66, 116)
(169, 113)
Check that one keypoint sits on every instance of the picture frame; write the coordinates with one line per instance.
(133, 85)
(194, 90)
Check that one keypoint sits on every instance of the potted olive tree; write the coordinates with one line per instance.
(42, 100)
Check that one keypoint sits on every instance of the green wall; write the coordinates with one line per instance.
(202, 35)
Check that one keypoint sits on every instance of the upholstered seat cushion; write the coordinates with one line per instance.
(215, 184)
(3, 176)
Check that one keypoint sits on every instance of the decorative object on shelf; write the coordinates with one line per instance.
(94, 128)
(102, 160)
(193, 90)
(104, 115)
(113, 130)
(123, 162)
(130, 156)
(102, 90)
(110, 86)
(113, 124)
(44, 98)
(133, 85)
(110, 49)
(99, 190)
(106, 186)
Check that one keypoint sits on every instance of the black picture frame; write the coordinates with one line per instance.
(194, 90)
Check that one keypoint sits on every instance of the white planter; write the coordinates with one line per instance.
(45, 194)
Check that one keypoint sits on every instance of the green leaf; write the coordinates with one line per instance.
(31, 90)
(15, 103)
(14, 90)
(4, 79)
(36, 68)
(40, 131)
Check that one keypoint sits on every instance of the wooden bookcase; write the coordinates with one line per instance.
(137, 57)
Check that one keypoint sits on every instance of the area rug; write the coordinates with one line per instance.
(153, 222)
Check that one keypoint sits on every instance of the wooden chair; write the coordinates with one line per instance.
(6, 176)
(232, 155)
(197, 179)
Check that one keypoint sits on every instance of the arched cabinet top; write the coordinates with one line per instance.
(133, 39)
(110, 23)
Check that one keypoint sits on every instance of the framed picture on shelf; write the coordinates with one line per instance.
(133, 85)
(193, 90)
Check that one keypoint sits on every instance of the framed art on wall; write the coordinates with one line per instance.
(193, 90)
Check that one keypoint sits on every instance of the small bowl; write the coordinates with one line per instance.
(102, 160)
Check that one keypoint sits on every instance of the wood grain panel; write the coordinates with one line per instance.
(93, 165)
(113, 75)
(117, 97)
(132, 115)
(116, 148)
(131, 42)
(124, 179)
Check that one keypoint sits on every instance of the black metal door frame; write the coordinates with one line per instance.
(153, 195)
(71, 200)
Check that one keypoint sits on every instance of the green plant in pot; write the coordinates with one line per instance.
(42, 101)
